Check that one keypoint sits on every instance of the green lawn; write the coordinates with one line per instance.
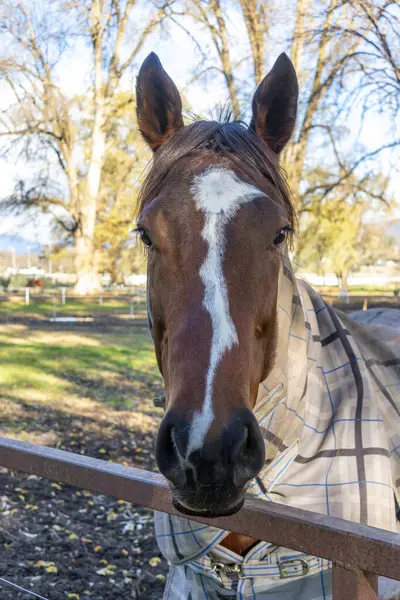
(103, 375)
(75, 307)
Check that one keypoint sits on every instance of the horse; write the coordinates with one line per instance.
(268, 390)
(35, 283)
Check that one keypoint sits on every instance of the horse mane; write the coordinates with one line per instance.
(232, 139)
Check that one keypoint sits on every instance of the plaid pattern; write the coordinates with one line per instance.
(329, 412)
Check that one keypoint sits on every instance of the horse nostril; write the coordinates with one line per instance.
(166, 444)
(238, 448)
(178, 442)
(170, 449)
(248, 454)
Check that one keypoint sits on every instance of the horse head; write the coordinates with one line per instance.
(215, 214)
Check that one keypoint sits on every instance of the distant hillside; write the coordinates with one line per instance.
(20, 244)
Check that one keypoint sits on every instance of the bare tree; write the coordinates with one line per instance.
(43, 122)
(211, 15)
(255, 15)
(354, 52)
(344, 51)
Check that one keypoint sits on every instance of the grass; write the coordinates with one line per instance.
(17, 306)
(101, 375)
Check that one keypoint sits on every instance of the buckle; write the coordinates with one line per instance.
(218, 568)
(283, 564)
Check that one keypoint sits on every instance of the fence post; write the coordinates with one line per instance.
(27, 296)
(63, 295)
(131, 307)
(349, 583)
(365, 305)
(54, 308)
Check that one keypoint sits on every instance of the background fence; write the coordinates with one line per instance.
(63, 305)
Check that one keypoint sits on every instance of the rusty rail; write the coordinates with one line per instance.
(358, 552)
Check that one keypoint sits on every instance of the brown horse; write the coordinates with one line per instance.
(213, 346)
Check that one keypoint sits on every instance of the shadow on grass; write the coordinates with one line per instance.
(115, 366)
(93, 435)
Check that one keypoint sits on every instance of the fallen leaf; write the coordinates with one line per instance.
(52, 569)
(108, 570)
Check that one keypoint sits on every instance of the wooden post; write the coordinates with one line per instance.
(349, 583)
(27, 296)
(63, 295)
(365, 305)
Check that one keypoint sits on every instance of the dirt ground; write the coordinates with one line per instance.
(85, 390)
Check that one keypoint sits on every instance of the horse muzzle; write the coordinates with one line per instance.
(211, 480)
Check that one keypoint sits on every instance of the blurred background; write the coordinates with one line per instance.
(77, 365)
(72, 158)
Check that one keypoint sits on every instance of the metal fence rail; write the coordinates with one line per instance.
(359, 553)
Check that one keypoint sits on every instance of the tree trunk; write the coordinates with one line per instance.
(225, 57)
(88, 278)
(255, 20)
(343, 277)
(115, 268)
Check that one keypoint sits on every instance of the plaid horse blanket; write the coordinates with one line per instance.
(330, 415)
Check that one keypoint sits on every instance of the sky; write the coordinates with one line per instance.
(180, 58)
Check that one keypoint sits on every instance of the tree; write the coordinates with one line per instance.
(353, 51)
(213, 17)
(336, 237)
(43, 122)
(125, 160)
(344, 51)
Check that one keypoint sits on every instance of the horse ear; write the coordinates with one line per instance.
(275, 104)
(158, 103)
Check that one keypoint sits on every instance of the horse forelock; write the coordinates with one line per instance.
(233, 141)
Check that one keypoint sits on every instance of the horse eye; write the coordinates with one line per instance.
(281, 236)
(145, 237)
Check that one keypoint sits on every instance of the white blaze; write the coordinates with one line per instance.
(218, 193)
